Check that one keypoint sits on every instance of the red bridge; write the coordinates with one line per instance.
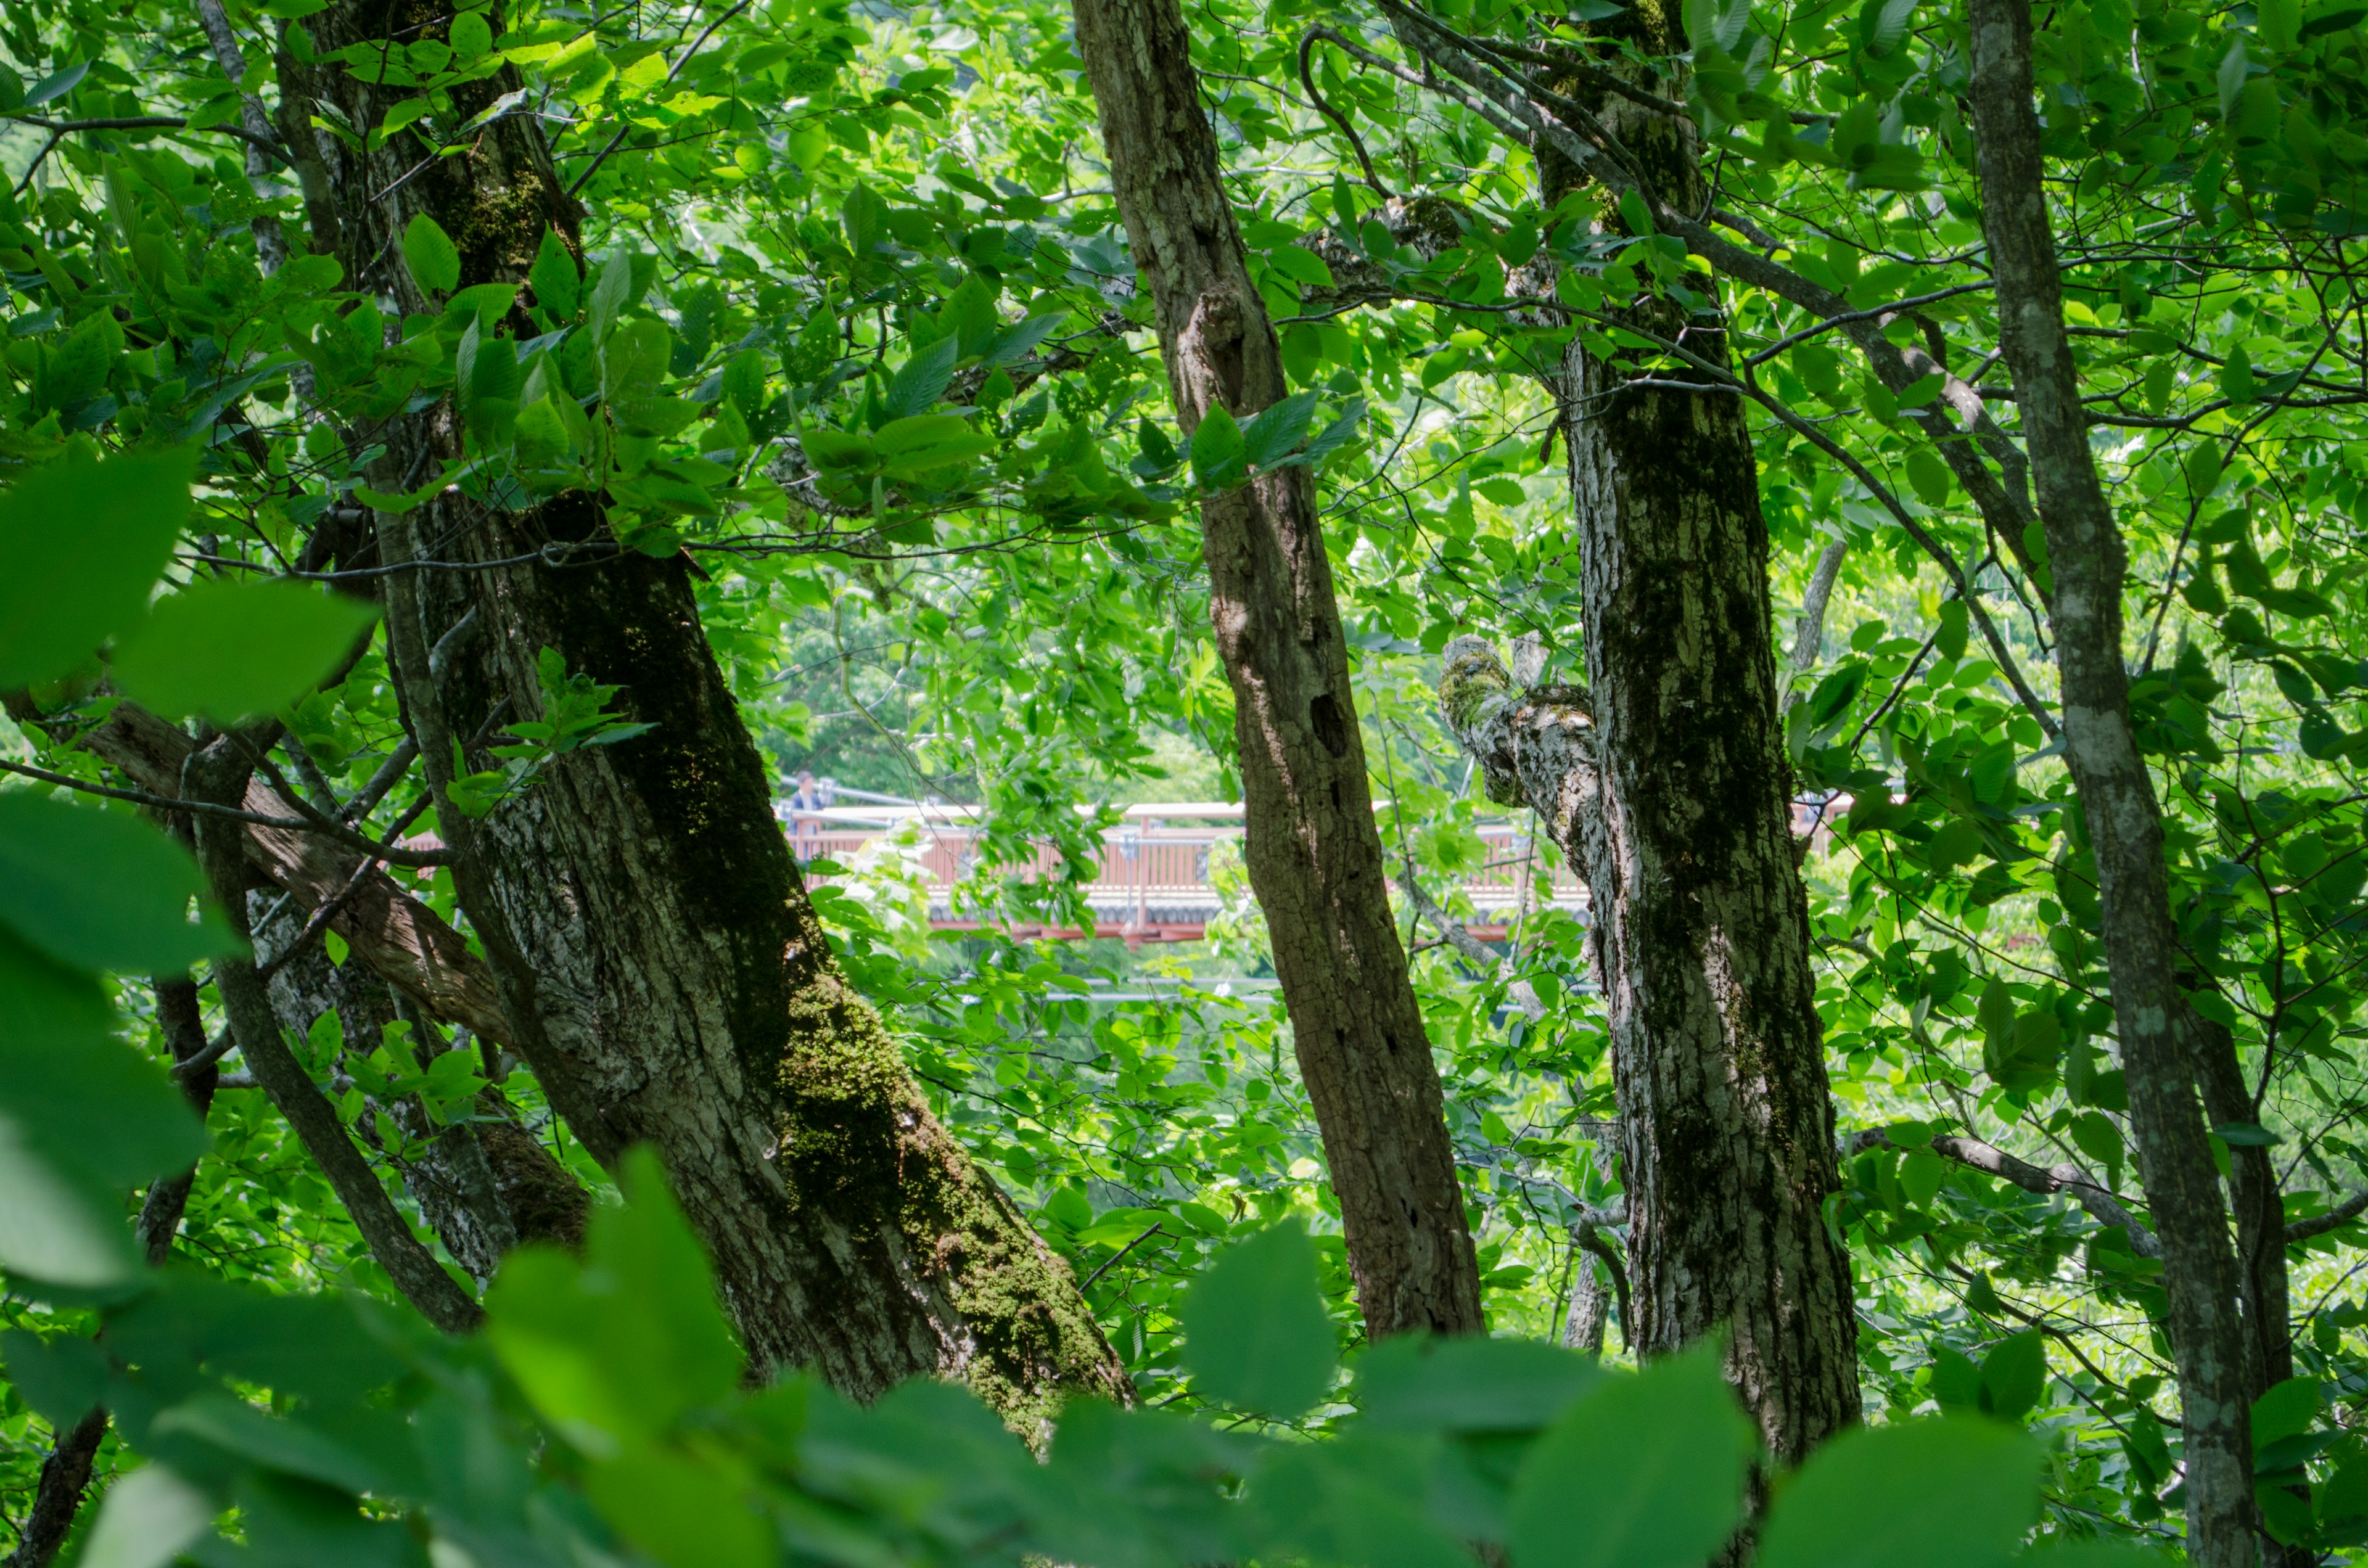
(1155, 881)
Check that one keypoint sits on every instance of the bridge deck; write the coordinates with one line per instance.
(1155, 881)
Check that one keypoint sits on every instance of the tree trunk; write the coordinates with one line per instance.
(2158, 1033)
(659, 964)
(1666, 783)
(1313, 853)
(485, 1184)
(219, 773)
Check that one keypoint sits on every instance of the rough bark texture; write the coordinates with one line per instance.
(392, 934)
(2158, 1033)
(1809, 631)
(56, 1495)
(659, 964)
(1313, 853)
(1666, 783)
(1699, 937)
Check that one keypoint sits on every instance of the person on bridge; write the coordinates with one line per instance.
(806, 827)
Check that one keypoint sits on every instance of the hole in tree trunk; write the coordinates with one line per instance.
(1329, 727)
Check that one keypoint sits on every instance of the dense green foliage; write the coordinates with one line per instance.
(857, 331)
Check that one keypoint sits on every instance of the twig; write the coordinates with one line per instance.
(602, 156)
(2342, 1214)
(59, 128)
(1111, 1261)
(1356, 144)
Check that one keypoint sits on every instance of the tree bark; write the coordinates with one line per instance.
(1313, 853)
(658, 962)
(1667, 785)
(2158, 1032)
(1699, 937)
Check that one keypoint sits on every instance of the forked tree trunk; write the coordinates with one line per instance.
(1666, 783)
(1313, 853)
(2162, 1041)
(659, 963)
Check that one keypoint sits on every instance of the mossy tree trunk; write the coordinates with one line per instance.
(1313, 853)
(661, 967)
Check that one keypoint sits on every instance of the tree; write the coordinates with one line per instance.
(1665, 778)
(1314, 854)
(873, 358)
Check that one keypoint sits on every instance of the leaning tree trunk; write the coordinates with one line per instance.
(2161, 1038)
(1313, 853)
(481, 1179)
(1667, 785)
(660, 966)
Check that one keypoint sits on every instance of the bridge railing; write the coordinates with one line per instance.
(1154, 878)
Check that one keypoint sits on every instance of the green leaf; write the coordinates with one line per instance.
(616, 1349)
(683, 1513)
(1470, 1385)
(471, 35)
(837, 448)
(100, 890)
(2285, 1411)
(147, 1518)
(1956, 1381)
(1256, 1334)
(81, 1118)
(429, 253)
(1220, 455)
(2237, 376)
(1949, 638)
(922, 380)
(558, 286)
(538, 439)
(1645, 1472)
(2096, 1136)
(743, 383)
(1921, 1176)
(238, 1427)
(228, 650)
(2230, 78)
(76, 1091)
(1272, 433)
(2014, 1375)
(612, 292)
(1332, 437)
(919, 432)
(1929, 476)
(1356, 1499)
(83, 543)
(1300, 265)
(62, 1379)
(2245, 1135)
(1882, 24)
(1940, 1493)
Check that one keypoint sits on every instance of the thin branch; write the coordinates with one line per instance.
(1356, 143)
(59, 128)
(1111, 1261)
(2342, 1214)
(672, 71)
